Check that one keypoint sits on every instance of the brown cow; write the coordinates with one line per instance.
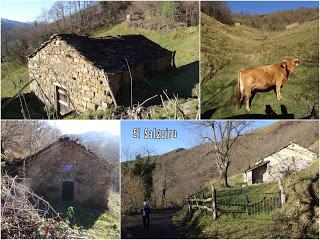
(262, 78)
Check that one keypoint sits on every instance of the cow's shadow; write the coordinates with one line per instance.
(269, 114)
(254, 92)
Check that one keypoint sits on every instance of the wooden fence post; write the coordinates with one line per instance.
(247, 205)
(214, 202)
(282, 193)
(187, 201)
(195, 198)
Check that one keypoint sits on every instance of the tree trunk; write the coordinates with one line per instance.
(224, 179)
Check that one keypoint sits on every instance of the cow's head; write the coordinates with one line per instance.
(290, 63)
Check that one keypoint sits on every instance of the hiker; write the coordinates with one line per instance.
(145, 212)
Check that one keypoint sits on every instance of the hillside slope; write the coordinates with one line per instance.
(298, 218)
(190, 169)
(226, 49)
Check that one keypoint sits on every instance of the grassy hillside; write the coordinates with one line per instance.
(226, 49)
(13, 72)
(298, 218)
(191, 168)
(184, 40)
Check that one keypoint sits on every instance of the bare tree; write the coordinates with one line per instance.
(23, 138)
(218, 10)
(167, 178)
(221, 137)
(132, 193)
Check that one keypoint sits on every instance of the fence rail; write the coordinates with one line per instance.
(269, 202)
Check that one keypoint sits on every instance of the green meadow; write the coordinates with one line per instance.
(226, 49)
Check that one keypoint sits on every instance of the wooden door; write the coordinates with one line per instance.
(67, 191)
(62, 101)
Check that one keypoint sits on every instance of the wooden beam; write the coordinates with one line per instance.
(15, 96)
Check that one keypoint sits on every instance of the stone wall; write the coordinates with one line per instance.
(69, 162)
(58, 64)
(158, 65)
(88, 87)
(290, 159)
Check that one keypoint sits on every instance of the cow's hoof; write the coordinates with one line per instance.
(248, 109)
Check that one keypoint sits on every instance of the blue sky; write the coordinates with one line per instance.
(262, 7)
(28, 11)
(23, 11)
(186, 137)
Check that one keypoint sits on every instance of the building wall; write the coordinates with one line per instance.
(157, 65)
(291, 158)
(68, 162)
(88, 87)
(58, 64)
(249, 177)
(292, 25)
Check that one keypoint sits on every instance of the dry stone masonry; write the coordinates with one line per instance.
(76, 73)
(67, 169)
(291, 158)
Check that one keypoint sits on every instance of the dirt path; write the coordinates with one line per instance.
(160, 226)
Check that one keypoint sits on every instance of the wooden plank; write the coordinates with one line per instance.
(62, 91)
(15, 96)
(63, 103)
(207, 200)
(214, 202)
(201, 207)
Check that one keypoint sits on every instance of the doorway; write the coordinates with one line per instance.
(257, 173)
(67, 190)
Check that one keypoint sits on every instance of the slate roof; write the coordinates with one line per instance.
(61, 140)
(109, 53)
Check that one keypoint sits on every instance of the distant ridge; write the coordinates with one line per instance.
(8, 25)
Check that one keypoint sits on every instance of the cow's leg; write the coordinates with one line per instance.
(248, 96)
(278, 94)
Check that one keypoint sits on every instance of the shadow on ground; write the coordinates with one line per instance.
(35, 108)
(270, 114)
(180, 81)
(160, 226)
(83, 216)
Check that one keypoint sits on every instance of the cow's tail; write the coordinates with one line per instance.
(239, 92)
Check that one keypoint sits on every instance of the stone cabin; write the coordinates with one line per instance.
(290, 158)
(76, 73)
(293, 25)
(66, 171)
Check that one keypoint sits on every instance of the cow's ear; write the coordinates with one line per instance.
(284, 63)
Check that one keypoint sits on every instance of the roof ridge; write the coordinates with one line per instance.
(108, 53)
(256, 164)
(65, 138)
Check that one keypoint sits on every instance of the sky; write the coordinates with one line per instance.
(82, 126)
(262, 7)
(23, 11)
(186, 137)
(28, 11)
